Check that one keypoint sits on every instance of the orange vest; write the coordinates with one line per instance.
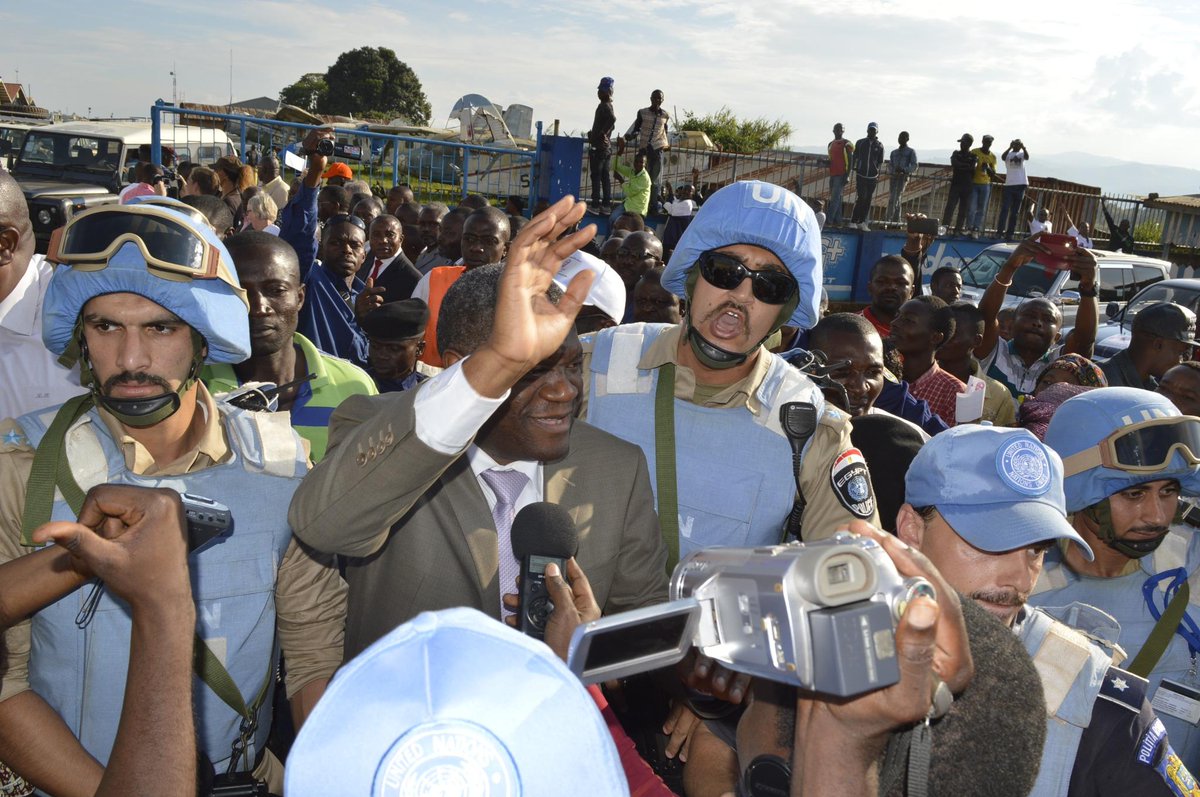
(440, 280)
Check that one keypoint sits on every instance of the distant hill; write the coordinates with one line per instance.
(1117, 176)
(1113, 175)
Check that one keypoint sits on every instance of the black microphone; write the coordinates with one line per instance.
(541, 533)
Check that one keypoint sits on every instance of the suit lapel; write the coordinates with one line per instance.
(562, 487)
(474, 538)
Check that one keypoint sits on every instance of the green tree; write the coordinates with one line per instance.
(308, 92)
(738, 135)
(373, 82)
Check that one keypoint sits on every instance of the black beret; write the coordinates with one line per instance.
(397, 320)
(888, 444)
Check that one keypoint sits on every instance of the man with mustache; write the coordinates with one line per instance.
(986, 506)
(749, 263)
(1127, 454)
(142, 297)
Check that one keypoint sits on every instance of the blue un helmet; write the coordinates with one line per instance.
(1117, 438)
(760, 214)
(159, 254)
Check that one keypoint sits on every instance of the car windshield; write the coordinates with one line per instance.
(1189, 297)
(71, 151)
(1032, 279)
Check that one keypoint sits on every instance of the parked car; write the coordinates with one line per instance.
(1113, 336)
(1121, 276)
(65, 168)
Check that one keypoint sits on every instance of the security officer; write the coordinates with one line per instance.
(143, 296)
(396, 332)
(703, 398)
(984, 504)
(1127, 454)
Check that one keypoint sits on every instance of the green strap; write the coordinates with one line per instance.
(210, 670)
(1160, 636)
(664, 463)
(51, 469)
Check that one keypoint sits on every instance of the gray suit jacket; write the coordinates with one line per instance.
(418, 535)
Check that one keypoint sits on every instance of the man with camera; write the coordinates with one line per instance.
(1018, 362)
(143, 296)
(1015, 183)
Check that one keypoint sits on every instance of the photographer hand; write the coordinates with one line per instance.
(132, 538)
(931, 643)
(701, 673)
(316, 161)
(574, 605)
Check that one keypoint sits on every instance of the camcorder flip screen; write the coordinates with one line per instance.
(632, 642)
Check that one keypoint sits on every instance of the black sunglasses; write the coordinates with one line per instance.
(727, 272)
(346, 218)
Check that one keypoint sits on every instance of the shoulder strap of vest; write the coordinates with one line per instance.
(1059, 659)
(51, 469)
(664, 463)
(210, 670)
(265, 441)
(1160, 636)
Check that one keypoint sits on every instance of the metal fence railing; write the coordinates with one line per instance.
(926, 191)
(436, 170)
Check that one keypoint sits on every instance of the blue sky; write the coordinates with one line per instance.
(1106, 78)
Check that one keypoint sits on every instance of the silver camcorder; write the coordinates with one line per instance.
(820, 616)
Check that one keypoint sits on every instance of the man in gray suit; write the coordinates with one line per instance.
(409, 493)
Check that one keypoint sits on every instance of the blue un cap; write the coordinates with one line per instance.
(999, 489)
(454, 702)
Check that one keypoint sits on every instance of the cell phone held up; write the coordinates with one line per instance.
(1061, 249)
(924, 225)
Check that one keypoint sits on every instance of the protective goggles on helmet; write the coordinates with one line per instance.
(726, 272)
(172, 249)
(1144, 447)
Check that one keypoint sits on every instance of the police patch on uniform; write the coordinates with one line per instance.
(1147, 750)
(451, 757)
(852, 483)
(1022, 464)
(1176, 776)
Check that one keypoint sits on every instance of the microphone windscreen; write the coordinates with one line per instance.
(995, 730)
(545, 530)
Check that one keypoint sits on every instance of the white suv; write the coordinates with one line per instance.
(1121, 276)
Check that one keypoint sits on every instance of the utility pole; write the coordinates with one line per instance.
(174, 87)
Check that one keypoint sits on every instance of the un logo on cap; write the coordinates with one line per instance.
(1022, 464)
(451, 758)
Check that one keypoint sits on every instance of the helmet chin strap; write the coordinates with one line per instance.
(140, 413)
(711, 355)
(1101, 515)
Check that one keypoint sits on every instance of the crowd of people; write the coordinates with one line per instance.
(369, 390)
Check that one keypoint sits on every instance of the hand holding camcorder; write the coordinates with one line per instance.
(821, 616)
